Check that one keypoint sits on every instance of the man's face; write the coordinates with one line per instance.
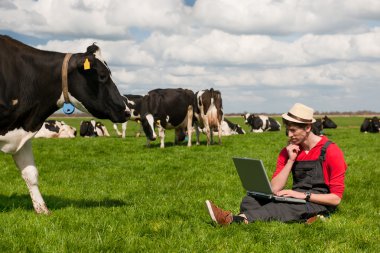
(296, 134)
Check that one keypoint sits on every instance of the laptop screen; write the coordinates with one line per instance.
(252, 175)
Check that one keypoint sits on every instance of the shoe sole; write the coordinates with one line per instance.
(209, 208)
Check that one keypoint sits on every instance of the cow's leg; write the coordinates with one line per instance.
(211, 135)
(25, 162)
(161, 133)
(220, 133)
(123, 129)
(177, 132)
(197, 133)
(208, 130)
(140, 130)
(190, 115)
(116, 129)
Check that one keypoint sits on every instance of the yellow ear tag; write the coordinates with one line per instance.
(86, 64)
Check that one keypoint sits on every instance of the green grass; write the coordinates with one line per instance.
(115, 195)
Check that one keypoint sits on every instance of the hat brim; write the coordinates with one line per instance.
(288, 118)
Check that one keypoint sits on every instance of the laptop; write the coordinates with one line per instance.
(255, 180)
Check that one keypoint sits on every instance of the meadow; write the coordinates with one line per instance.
(116, 195)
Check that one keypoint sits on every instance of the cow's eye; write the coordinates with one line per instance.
(103, 78)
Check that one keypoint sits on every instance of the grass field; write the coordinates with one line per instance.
(116, 195)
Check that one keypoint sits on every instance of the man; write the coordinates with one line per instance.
(318, 168)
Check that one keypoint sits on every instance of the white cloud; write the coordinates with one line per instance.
(284, 17)
(255, 52)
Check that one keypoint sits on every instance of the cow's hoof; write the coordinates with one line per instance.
(42, 209)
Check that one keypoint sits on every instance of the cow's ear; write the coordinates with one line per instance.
(85, 62)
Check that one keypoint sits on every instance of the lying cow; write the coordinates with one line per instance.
(36, 83)
(134, 104)
(167, 109)
(56, 129)
(370, 125)
(209, 114)
(328, 123)
(228, 128)
(317, 127)
(261, 123)
(92, 128)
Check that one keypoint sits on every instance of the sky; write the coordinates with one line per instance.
(263, 55)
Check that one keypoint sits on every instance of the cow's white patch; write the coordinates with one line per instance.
(246, 116)
(264, 119)
(130, 101)
(150, 120)
(13, 141)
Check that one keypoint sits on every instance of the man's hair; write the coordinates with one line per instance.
(291, 123)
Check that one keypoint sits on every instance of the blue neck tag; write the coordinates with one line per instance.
(68, 108)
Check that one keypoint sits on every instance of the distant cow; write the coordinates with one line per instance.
(228, 128)
(209, 113)
(167, 109)
(232, 127)
(328, 123)
(134, 104)
(92, 128)
(370, 125)
(56, 129)
(261, 123)
(317, 127)
(36, 83)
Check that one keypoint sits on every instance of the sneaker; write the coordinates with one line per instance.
(219, 215)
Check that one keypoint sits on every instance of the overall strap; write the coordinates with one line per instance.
(322, 156)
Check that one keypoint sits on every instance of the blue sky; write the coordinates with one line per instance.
(263, 55)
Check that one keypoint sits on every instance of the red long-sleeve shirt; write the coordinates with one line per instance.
(334, 167)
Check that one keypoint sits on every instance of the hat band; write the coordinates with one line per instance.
(299, 119)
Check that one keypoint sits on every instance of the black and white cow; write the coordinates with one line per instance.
(228, 128)
(92, 128)
(209, 114)
(134, 104)
(370, 125)
(232, 127)
(167, 109)
(261, 123)
(36, 83)
(56, 129)
(328, 123)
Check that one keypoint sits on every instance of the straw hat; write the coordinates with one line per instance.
(300, 113)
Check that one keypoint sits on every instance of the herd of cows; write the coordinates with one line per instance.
(36, 83)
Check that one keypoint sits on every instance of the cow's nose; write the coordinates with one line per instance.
(127, 115)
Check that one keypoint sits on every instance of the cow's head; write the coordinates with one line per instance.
(245, 116)
(328, 123)
(254, 121)
(148, 123)
(239, 129)
(91, 87)
(148, 110)
(376, 122)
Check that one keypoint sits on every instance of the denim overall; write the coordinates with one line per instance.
(307, 176)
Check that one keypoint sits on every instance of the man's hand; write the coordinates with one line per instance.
(291, 193)
(293, 151)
